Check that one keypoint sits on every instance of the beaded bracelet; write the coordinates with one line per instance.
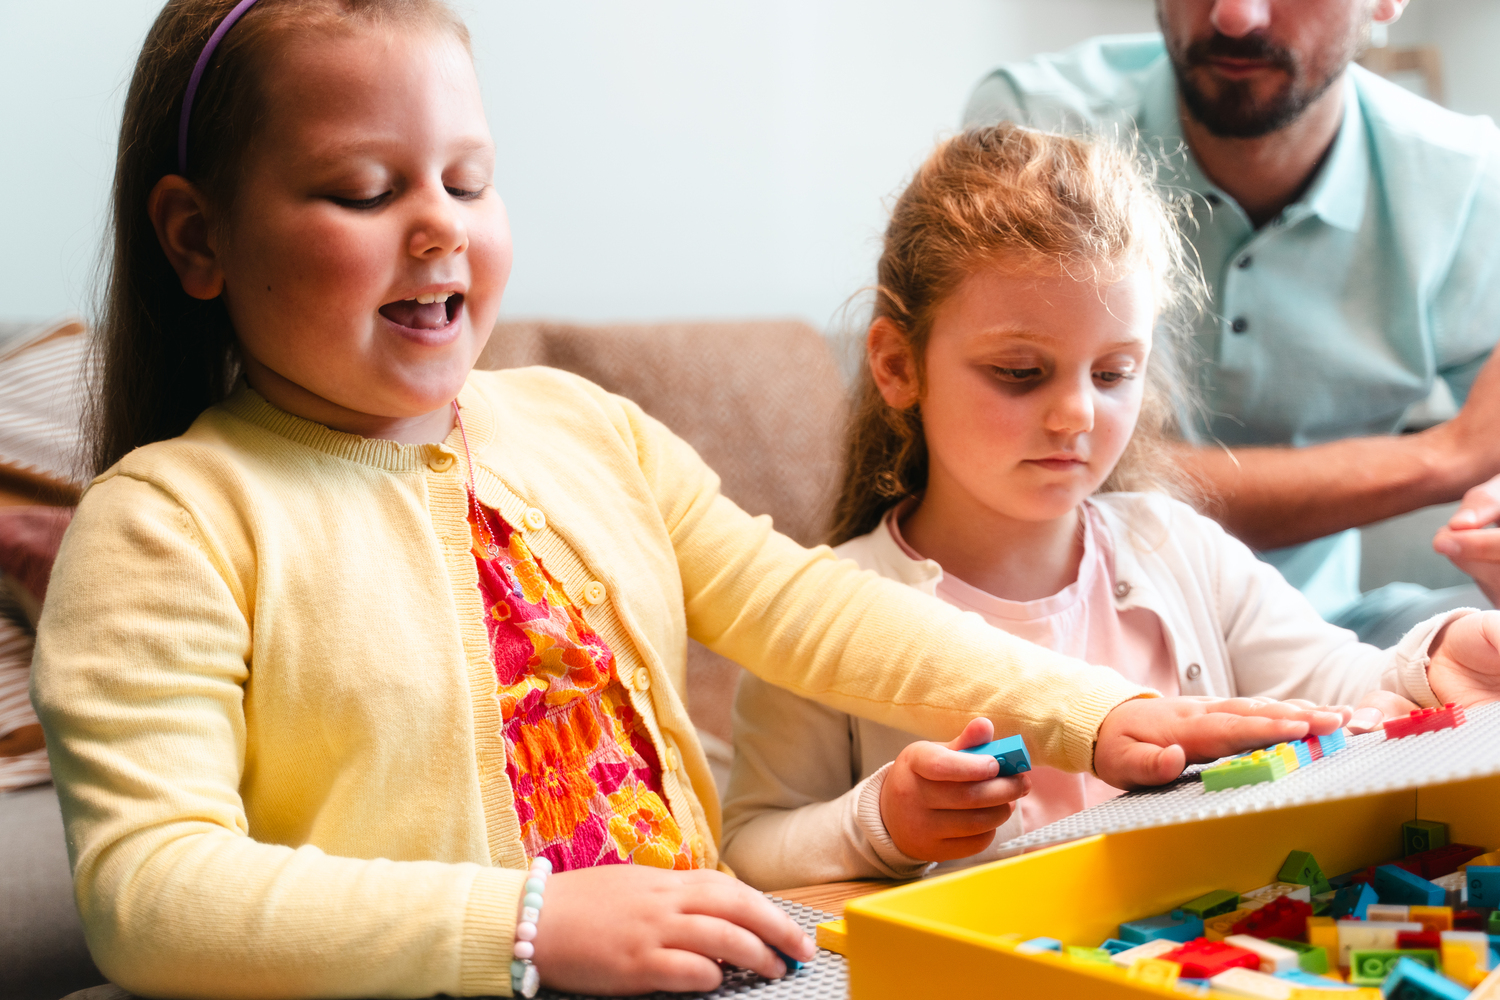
(524, 978)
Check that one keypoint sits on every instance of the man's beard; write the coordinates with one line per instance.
(1235, 112)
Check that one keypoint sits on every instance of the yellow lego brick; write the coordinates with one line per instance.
(1218, 928)
(834, 936)
(1492, 858)
(1489, 989)
(1323, 932)
(1288, 756)
(1155, 972)
(1462, 966)
(1311, 993)
(1434, 918)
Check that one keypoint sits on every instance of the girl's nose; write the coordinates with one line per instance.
(1071, 411)
(438, 229)
(1238, 18)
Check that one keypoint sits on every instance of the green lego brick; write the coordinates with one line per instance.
(1089, 956)
(1212, 904)
(1369, 968)
(1322, 903)
(1241, 771)
(1420, 835)
(1310, 957)
(1494, 923)
(1301, 868)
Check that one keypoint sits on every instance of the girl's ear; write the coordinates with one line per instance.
(179, 212)
(892, 364)
(1387, 11)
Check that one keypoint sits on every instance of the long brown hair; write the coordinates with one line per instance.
(1030, 202)
(161, 356)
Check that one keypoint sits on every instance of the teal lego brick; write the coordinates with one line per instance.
(1411, 980)
(1484, 886)
(1175, 926)
(1395, 885)
(1010, 753)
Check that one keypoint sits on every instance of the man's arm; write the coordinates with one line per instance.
(1274, 497)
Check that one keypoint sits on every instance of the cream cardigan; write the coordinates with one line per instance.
(270, 704)
(804, 795)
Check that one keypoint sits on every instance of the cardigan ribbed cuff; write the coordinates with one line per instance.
(1413, 656)
(872, 823)
(490, 932)
(1081, 728)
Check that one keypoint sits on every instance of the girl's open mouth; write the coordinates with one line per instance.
(425, 312)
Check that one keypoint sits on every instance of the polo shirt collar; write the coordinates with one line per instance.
(1337, 194)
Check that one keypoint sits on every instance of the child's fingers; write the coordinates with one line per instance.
(1210, 737)
(1133, 764)
(957, 824)
(676, 970)
(714, 894)
(725, 941)
(977, 733)
(936, 762)
(1319, 721)
(973, 794)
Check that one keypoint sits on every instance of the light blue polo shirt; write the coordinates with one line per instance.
(1337, 318)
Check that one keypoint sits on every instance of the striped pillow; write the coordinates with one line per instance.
(42, 393)
(15, 708)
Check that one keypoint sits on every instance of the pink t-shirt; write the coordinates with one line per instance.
(1081, 621)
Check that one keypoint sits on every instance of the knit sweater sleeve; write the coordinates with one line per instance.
(826, 630)
(142, 662)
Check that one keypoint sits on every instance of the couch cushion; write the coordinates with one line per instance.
(762, 402)
(42, 395)
(42, 951)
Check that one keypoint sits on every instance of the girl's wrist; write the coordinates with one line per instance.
(525, 978)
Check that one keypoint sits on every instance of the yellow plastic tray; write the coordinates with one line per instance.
(942, 937)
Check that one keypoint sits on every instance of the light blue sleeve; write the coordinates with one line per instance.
(1466, 308)
(1094, 87)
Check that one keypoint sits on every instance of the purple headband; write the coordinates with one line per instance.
(192, 87)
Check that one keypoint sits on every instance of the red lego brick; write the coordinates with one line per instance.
(1314, 747)
(1468, 920)
(1283, 917)
(1439, 861)
(1425, 720)
(1419, 939)
(1204, 959)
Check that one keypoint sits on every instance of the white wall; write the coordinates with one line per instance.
(666, 159)
(1468, 34)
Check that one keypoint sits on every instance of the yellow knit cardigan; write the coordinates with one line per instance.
(270, 704)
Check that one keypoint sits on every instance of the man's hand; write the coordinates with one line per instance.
(938, 804)
(1148, 741)
(1471, 538)
(1464, 664)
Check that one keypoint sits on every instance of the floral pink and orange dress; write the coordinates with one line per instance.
(586, 779)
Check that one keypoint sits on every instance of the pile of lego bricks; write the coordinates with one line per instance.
(1424, 927)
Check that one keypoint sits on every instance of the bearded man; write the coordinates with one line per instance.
(1349, 235)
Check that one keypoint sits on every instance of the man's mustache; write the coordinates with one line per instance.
(1254, 47)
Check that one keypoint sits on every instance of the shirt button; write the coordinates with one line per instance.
(1244, 261)
(1240, 324)
(1193, 671)
(1122, 590)
(440, 462)
(594, 592)
(534, 519)
(642, 680)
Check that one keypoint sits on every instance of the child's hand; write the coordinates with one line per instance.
(938, 804)
(1148, 741)
(1465, 660)
(619, 930)
(1377, 706)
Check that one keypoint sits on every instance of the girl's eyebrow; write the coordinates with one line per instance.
(1022, 333)
(374, 144)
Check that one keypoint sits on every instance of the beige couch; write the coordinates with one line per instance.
(761, 401)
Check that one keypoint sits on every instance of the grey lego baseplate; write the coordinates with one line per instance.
(826, 977)
(1368, 765)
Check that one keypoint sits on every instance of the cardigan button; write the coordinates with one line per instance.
(669, 759)
(1193, 671)
(642, 680)
(1122, 590)
(594, 592)
(440, 461)
(534, 519)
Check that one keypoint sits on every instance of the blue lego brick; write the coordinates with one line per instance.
(1175, 926)
(1396, 885)
(792, 965)
(1333, 742)
(1114, 946)
(1010, 753)
(1411, 980)
(1304, 755)
(1484, 886)
(1311, 981)
(1040, 944)
(1352, 901)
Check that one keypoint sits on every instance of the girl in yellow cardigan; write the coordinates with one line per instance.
(349, 648)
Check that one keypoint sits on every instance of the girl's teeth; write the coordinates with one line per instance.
(429, 299)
